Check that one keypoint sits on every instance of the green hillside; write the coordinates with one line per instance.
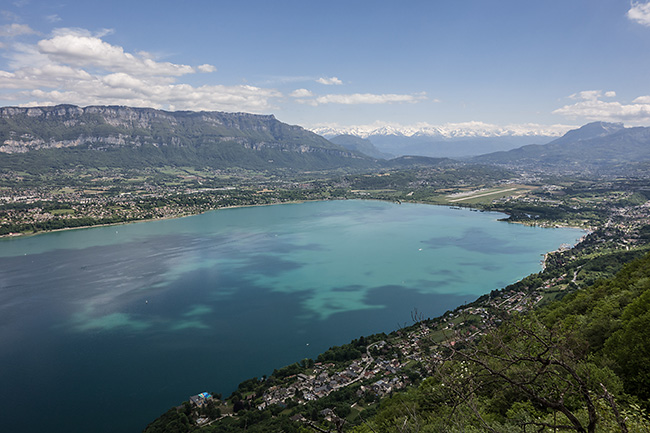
(580, 364)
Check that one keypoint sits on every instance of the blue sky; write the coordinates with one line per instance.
(518, 64)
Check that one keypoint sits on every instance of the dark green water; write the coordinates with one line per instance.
(104, 329)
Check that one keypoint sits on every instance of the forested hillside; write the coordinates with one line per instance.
(580, 364)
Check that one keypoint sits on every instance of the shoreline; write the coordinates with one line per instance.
(21, 235)
(559, 250)
(450, 205)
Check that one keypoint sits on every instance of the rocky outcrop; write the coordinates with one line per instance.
(212, 135)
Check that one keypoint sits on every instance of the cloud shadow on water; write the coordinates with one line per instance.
(354, 288)
(393, 308)
(269, 265)
(476, 240)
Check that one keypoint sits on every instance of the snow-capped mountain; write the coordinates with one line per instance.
(447, 131)
(449, 140)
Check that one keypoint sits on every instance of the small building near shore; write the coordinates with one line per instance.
(200, 399)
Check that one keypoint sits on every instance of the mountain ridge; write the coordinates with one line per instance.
(448, 131)
(597, 147)
(589, 131)
(155, 137)
(447, 141)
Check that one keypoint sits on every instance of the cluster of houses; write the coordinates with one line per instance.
(382, 387)
(317, 385)
(322, 381)
(409, 344)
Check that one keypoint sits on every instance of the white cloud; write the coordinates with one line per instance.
(90, 51)
(53, 18)
(9, 16)
(77, 31)
(206, 68)
(26, 56)
(103, 32)
(122, 80)
(12, 30)
(301, 93)
(329, 81)
(592, 108)
(119, 90)
(367, 98)
(77, 67)
(591, 95)
(640, 12)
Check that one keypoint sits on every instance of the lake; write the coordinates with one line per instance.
(104, 329)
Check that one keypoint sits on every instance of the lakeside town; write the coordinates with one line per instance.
(32, 204)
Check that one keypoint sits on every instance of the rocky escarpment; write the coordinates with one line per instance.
(202, 136)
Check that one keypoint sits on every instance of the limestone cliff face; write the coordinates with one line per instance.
(24, 130)
(127, 117)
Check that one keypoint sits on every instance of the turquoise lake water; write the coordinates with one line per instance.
(104, 329)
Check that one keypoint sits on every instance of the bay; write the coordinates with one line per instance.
(104, 329)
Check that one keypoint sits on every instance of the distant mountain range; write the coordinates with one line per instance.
(599, 148)
(452, 141)
(448, 131)
(67, 136)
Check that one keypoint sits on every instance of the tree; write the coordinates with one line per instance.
(540, 368)
(629, 346)
(238, 406)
